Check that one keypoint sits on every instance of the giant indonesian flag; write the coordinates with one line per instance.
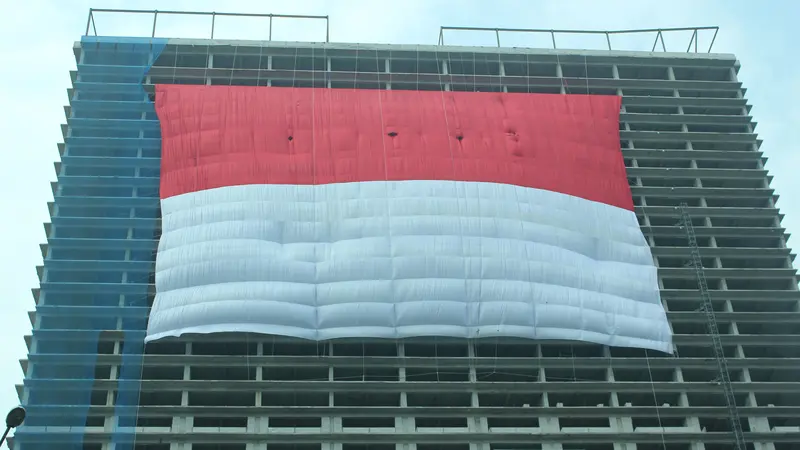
(332, 213)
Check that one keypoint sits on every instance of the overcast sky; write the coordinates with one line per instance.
(38, 37)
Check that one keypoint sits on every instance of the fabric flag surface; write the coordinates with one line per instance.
(332, 213)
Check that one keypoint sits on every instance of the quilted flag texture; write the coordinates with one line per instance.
(330, 213)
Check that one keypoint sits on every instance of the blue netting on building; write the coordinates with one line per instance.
(87, 349)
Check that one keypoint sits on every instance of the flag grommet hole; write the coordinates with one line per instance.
(290, 138)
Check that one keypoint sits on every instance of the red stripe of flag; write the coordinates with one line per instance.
(215, 136)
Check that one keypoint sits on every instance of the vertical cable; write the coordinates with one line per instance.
(246, 334)
(314, 186)
(655, 401)
(327, 348)
(388, 67)
(455, 183)
(380, 92)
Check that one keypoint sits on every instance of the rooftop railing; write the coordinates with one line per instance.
(693, 34)
(693, 47)
(91, 26)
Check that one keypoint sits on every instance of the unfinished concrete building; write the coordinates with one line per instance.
(690, 149)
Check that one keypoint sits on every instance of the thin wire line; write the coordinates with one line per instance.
(314, 181)
(655, 401)
(450, 149)
(327, 349)
(383, 130)
(388, 67)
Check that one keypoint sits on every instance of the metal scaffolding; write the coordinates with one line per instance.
(713, 330)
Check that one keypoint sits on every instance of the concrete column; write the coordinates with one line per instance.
(444, 71)
(622, 425)
(403, 446)
(473, 372)
(182, 425)
(404, 424)
(336, 424)
(692, 423)
(764, 446)
(734, 329)
(549, 424)
(758, 424)
(675, 93)
(502, 72)
(615, 75)
(269, 67)
(387, 67)
(82, 59)
(739, 94)
(697, 446)
(670, 73)
(477, 424)
(210, 65)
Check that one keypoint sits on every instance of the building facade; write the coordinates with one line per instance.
(686, 136)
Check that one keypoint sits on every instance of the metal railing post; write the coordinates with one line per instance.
(713, 39)
(88, 22)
